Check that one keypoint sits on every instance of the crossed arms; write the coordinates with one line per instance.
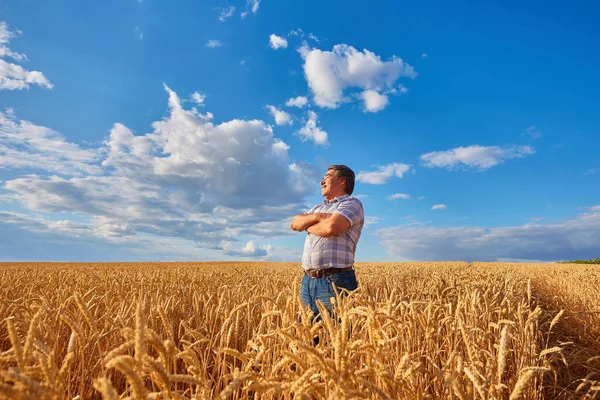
(320, 224)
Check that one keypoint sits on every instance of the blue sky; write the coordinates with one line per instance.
(195, 130)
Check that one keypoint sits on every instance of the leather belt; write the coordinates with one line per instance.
(319, 273)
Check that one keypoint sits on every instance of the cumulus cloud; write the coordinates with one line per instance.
(330, 73)
(281, 117)
(188, 178)
(299, 102)
(310, 131)
(398, 196)
(439, 207)
(13, 76)
(478, 157)
(252, 250)
(213, 43)
(383, 173)
(572, 238)
(374, 102)
(277, 42)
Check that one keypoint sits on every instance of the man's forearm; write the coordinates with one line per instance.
(301, 222)
(321, 228)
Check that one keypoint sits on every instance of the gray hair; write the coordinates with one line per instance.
(342, 171)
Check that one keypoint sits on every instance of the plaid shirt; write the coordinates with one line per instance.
(336, 251)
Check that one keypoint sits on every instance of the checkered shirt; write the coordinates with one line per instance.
(336, 251)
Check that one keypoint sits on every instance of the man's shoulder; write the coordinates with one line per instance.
(352, 200)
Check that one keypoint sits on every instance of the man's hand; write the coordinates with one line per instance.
(332, 226)
(301, 222)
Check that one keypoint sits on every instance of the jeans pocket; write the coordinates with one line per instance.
(344, 280)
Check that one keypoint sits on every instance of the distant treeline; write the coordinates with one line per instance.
(596, 261)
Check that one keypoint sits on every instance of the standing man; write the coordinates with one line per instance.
(334, 228)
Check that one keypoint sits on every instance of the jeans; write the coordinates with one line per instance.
(313, 289)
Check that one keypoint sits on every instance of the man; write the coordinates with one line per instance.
(334, 228)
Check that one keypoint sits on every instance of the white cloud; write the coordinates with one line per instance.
(330, 73)
(254, 4)
(13, 76)
(536, 219)
(591, 171)
(198, 98)
(281, 117)
(310, 131)
(252, 250)
(533, 132)
(424, 55)
(439, 207)
(313, 37)
(374, 101)
(398, 196)
(420, 197)
(188, 178)
(361, 196)
(139, 33)
(299, 102)
(371, 220)
(226, 13)
(383, 173)
(480, 157)
(296, 32)
(29, 238)
(213, 43)
(575, 237)
(277, 42)
(25, 145)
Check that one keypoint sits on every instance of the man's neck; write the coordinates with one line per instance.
(335, 197)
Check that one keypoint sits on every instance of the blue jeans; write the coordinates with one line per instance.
(313, 289)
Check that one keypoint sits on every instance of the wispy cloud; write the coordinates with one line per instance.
(198, 98)
(439, 207)
(13, 76)
(477, 157)
(398, 196)
(213, 43)
(139, 33)
(226, 13)
(591, 171)
(533, 132)
(575, 237)
(383, 173)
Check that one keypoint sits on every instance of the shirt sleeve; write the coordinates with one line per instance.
(352, 209)
(312, 210)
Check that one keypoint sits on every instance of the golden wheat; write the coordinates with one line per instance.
(239, 331)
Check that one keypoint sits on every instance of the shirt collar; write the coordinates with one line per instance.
(339, 198)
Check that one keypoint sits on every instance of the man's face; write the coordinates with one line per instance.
(332, 186)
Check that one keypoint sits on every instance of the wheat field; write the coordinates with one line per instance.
(223, 330)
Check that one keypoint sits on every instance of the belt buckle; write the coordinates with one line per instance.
(315, 273)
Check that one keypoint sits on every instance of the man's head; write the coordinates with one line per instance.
(338, 180)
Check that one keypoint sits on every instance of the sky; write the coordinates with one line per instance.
(150, 130)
